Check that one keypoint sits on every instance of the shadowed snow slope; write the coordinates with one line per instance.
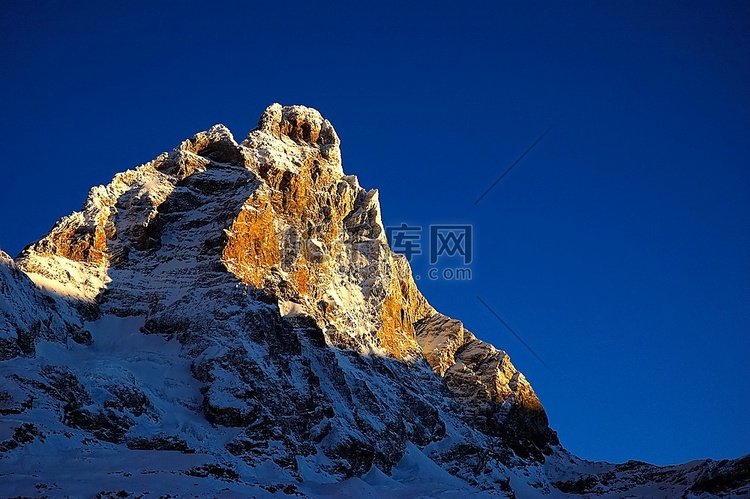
(228, 320)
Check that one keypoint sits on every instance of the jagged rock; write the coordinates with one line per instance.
(725, 478)
(494, 395)
(499, 399)
(302, 125)
(440, 337)
(23, 434)
(240, 300)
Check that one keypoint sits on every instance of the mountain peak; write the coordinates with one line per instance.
(240, 302)
(301, 125)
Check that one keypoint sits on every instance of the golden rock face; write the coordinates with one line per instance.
(78, 244)
(306, 223)
(252, 249)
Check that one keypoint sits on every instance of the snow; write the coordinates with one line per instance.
(290, 308)
(66, 278)
(120, 354)
(414, 477)
(84, 471)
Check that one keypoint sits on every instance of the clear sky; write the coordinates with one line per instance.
(618, 249)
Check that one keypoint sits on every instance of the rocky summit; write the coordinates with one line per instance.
(228, 320)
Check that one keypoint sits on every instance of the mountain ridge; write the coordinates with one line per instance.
(265, 271)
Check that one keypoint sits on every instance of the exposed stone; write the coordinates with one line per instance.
(440, 337)
(215, 470)
(170, 443)
(82, 337)
(494, 395)
(23, 434)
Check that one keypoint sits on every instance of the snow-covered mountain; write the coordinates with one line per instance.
(228, 320)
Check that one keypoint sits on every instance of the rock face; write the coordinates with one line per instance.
(497, 397)
(238, 304)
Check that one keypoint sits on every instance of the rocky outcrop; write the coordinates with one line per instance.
(494, 395)
(440, 337)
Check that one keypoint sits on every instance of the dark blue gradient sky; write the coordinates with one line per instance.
(618, 249)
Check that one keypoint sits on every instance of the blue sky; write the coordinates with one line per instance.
(618, 248)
